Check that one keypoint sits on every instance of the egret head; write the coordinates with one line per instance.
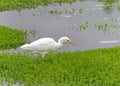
(65, 40)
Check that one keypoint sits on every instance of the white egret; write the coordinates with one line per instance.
(46, 45)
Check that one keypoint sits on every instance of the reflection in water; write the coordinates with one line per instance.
(110, 41)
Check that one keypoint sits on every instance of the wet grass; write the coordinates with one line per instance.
(11, 38)
(92, 67)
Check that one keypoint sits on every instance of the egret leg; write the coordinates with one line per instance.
(43, 54)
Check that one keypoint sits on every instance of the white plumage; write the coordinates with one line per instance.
(46, 45)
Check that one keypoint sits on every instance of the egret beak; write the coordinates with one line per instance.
(71, 42)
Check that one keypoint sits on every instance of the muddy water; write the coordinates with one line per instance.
(47, 23)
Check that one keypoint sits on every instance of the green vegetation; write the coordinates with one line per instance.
(18, 4)
(81, 27)
(54, 12)
(70, 11)
(92, 67)
(108, 1)
(11, 38)
(107, 27)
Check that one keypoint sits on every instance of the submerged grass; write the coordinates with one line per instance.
(92, 67)
(11, 38)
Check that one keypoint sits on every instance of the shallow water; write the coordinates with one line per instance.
(46, 23)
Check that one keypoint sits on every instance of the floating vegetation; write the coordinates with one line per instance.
(11, 38)
(81, 27)
(54, 12)
(81, 10)
(70, 11)
(101, 27)
(106, 27)
(108, 7)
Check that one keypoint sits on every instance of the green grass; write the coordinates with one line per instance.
(93, 67)
(11, 38)
(21, 4)
(108, 1)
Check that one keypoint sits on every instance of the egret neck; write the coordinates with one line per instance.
(59, 44)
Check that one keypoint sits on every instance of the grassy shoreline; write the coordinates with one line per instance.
(18, 4)
(92, 67)
(11, 38)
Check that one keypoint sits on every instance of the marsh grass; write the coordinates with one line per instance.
(107, 27)
(67, 11)
(92, 67)
(11, 38)
(104, 28)
(18, 4)
(80, 27)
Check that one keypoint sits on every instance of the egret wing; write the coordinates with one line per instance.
(42, 44)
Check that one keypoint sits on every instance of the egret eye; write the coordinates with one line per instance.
(67, 40)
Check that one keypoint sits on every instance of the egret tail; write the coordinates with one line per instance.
(25, 47)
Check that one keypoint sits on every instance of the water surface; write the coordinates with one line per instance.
(47, 23)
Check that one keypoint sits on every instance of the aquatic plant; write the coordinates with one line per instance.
(83, 26)
(92, 67)
(80, 27)
(69, 11)
(104, 28)
(81, 10)
(118, 7)
(11, 38)
(108, 7)
(54, 12)
(107, 27)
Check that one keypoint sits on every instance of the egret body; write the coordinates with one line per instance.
(45, 45)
